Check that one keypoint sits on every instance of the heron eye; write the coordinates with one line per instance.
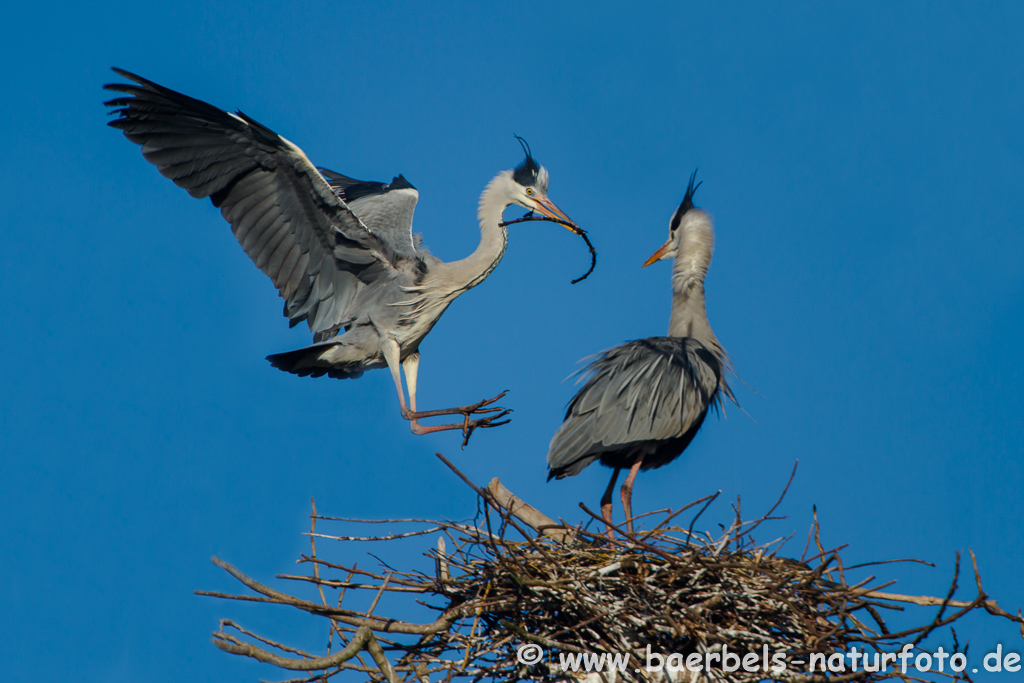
(529, 190)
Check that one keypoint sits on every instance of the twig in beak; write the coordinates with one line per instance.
(573, 228)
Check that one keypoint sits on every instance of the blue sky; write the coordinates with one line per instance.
(863, 164)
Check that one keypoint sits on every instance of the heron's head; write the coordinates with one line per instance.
(677, 224)
(529, 188)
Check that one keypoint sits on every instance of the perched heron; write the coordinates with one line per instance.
(643, 401)
(340, 251)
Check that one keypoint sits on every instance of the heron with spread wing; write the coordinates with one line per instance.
(340, 251)
(643, 401)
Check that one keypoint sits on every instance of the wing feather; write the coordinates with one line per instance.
(289, 221)
(269, 261)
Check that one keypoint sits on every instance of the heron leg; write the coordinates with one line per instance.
(606, 502)
(410, 366)
(391, 355)
(627, 492)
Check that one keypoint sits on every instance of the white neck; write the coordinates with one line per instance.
(695, 241)
(469, 272)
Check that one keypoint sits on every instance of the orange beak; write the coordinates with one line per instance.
(658, 255)
(547, 207)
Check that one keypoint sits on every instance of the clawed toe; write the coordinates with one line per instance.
(489, 416)
(483, 422)
(478, 407)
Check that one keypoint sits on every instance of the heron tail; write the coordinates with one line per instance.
(316, 361)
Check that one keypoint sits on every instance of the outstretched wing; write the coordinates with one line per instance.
(650, 389)
(281, 210)
(385, 208)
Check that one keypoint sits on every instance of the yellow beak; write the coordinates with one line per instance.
(548, 208)
(658, 255)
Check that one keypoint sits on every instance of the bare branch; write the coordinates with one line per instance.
(526, 513)
(231, 644)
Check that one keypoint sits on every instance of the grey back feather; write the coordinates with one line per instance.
(649, 390)
(386, 209)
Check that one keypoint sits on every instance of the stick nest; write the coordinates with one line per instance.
(513, 577)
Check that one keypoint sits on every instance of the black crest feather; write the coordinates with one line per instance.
(526, 173)
(687, 204)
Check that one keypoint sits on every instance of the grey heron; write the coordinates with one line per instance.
(643, 401)
(340, 251)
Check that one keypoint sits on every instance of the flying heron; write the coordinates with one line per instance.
(339, 250)
(643, 401)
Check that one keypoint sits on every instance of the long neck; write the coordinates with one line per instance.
(469, 272)
(695, 242)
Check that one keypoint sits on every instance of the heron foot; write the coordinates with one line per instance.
(473, 408)
(467, 426)
(492, 417)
